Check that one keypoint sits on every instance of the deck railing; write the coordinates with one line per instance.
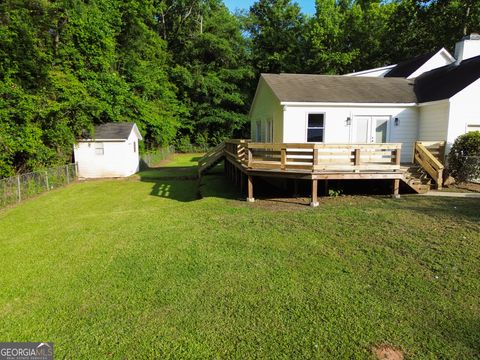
(315, 157)
(430, 163)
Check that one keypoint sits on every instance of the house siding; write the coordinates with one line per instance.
(433, 123)
(464, 111)
(337, 131)
(266, 108)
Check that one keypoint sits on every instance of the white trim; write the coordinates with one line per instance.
(447, 54)
(371, 70)
(440, 52)
(306, 126)
(333, 104)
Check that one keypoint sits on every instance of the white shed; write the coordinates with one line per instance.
(112, 151)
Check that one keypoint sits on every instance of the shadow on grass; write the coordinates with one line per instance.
(181, 183)
(465, 208)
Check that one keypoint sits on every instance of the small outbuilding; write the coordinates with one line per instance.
(111, 151)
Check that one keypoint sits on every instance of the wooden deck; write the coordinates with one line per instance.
(245, 160)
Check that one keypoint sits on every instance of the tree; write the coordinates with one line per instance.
(276, 29)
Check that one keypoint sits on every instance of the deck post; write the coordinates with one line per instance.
(250, 189)
(325, 187)
(396, 189)
(314, 200)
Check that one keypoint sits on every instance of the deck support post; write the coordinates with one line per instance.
(396, 189)
(250, 189)
(314, 200)
(325, 188)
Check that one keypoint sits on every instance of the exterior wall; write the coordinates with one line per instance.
(119, 158)
(433, 122)
(464, 111)
(438, 60)
(337, 131)
(266, 107)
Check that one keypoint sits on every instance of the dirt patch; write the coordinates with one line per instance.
(469, 186)
(386, 352)
(283, 204)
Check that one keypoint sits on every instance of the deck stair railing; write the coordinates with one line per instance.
(425, 157)
(211, 157)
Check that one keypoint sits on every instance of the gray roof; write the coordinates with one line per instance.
(341, 89)
(112, 131)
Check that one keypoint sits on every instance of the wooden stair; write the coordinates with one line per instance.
(427, 172)
(418, 179)
(211, 158)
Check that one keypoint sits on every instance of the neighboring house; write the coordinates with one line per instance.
(111, 151)
(435, 97)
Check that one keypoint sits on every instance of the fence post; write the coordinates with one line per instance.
(68, 174)
(46, 180)
(19, 192)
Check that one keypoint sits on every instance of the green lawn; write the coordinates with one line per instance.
(146, 268)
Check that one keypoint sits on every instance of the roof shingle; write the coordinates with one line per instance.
(112, 131)
(340, 89)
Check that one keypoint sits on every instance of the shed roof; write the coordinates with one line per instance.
(113, 131)
(340, 89)
(445, 82)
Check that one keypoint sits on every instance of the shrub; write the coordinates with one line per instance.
(464, 157)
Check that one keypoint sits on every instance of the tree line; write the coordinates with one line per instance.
(185, 70)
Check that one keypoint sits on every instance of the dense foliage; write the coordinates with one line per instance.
(464, 157)
(184, 70)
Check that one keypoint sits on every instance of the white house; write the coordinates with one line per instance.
(435, 97)
(111, 151)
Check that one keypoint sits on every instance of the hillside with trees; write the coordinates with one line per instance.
(185, 70)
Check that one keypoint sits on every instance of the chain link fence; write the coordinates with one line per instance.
(152, 158)
(24, 186)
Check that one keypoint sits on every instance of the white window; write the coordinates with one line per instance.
(134, 146)
(99, 150)
(258, 131)
(316, 128)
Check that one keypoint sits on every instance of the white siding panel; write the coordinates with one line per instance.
(337, 131)
(464, 111)
(433, 123)
(266, 107)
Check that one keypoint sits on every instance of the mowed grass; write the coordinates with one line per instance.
(144, 268)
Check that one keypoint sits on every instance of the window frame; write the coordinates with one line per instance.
(316, 127)
(99, 146)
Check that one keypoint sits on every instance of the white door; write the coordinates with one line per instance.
(370, 129)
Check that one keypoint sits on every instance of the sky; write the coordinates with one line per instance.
(308, 6)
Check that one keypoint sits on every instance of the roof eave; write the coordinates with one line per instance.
(326, 103)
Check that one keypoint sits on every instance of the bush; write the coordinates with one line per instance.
(464, 157)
